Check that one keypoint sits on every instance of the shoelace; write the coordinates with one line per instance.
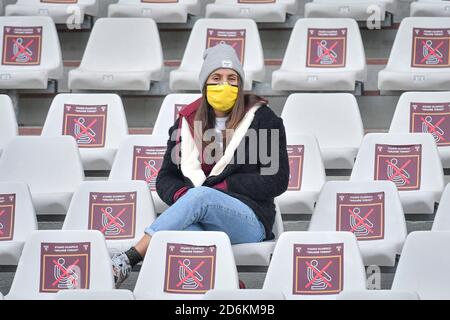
(121, 264)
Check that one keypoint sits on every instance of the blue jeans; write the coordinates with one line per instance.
(208, 209)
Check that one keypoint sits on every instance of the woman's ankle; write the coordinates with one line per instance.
(133, 256)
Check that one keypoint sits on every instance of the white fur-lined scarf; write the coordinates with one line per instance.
(190, 156)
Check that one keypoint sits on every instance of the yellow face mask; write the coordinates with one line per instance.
(222, 97)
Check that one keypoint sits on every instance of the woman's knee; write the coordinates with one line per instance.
(195, 202)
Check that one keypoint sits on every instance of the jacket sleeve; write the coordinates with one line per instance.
(170, 179)
(259, 186)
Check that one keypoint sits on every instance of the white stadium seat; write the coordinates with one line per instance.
(240, 294)
(315, 265)
(260, 11)
(61, 260)
(121, 54)
(377, 295)
(260, 253)
(307, 175)
(425, 112)
(430, 8)
(160, 11)
(334, 119)
(418, 60)
(242, 34)
(91, 295)
(360, 10)
(442, 220)
(410, 160)
(8, 123)
(121, 210)
(140, 158)
(51, 166)
(322, 55)
(96, 121)
(168, 112)
(31, 53)
(17, 220)
(60, 11)
(423, 264)
(202, 259)
(370, 210)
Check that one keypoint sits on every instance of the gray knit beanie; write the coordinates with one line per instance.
(218, 57)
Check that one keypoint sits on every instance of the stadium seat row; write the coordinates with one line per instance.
(121, 210)
(94, 126)
(98, 124)
(373, 209)
(188, 264)
(164, 11)
(52, 167)
(322, 55)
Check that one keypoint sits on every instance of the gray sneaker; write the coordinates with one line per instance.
(121, 268)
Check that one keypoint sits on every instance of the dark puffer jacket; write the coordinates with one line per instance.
(242, 181)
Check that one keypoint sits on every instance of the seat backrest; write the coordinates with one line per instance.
(340, 201)
(307, 171)
(333, 118)
(8, 122)
(139, 158)
(39, 50)
(303, 52)
(247, 294)
(60, 3)
(415, 37)
(47, 164)
(377, 295)
(94, 120)
(185, 265)
(442, 219)
(119, 209)
(168, 112)
(66, 3)
(350, 1)
(420, 159)
(388, 5)
(244, 36)
(292, 5)
(315, 265)
(426, 112)
(136, 46)
(193, 6)
(278, 227)
(60, 260)
(17, 218)
(421, 251)
(181, 2)
(91, 295)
